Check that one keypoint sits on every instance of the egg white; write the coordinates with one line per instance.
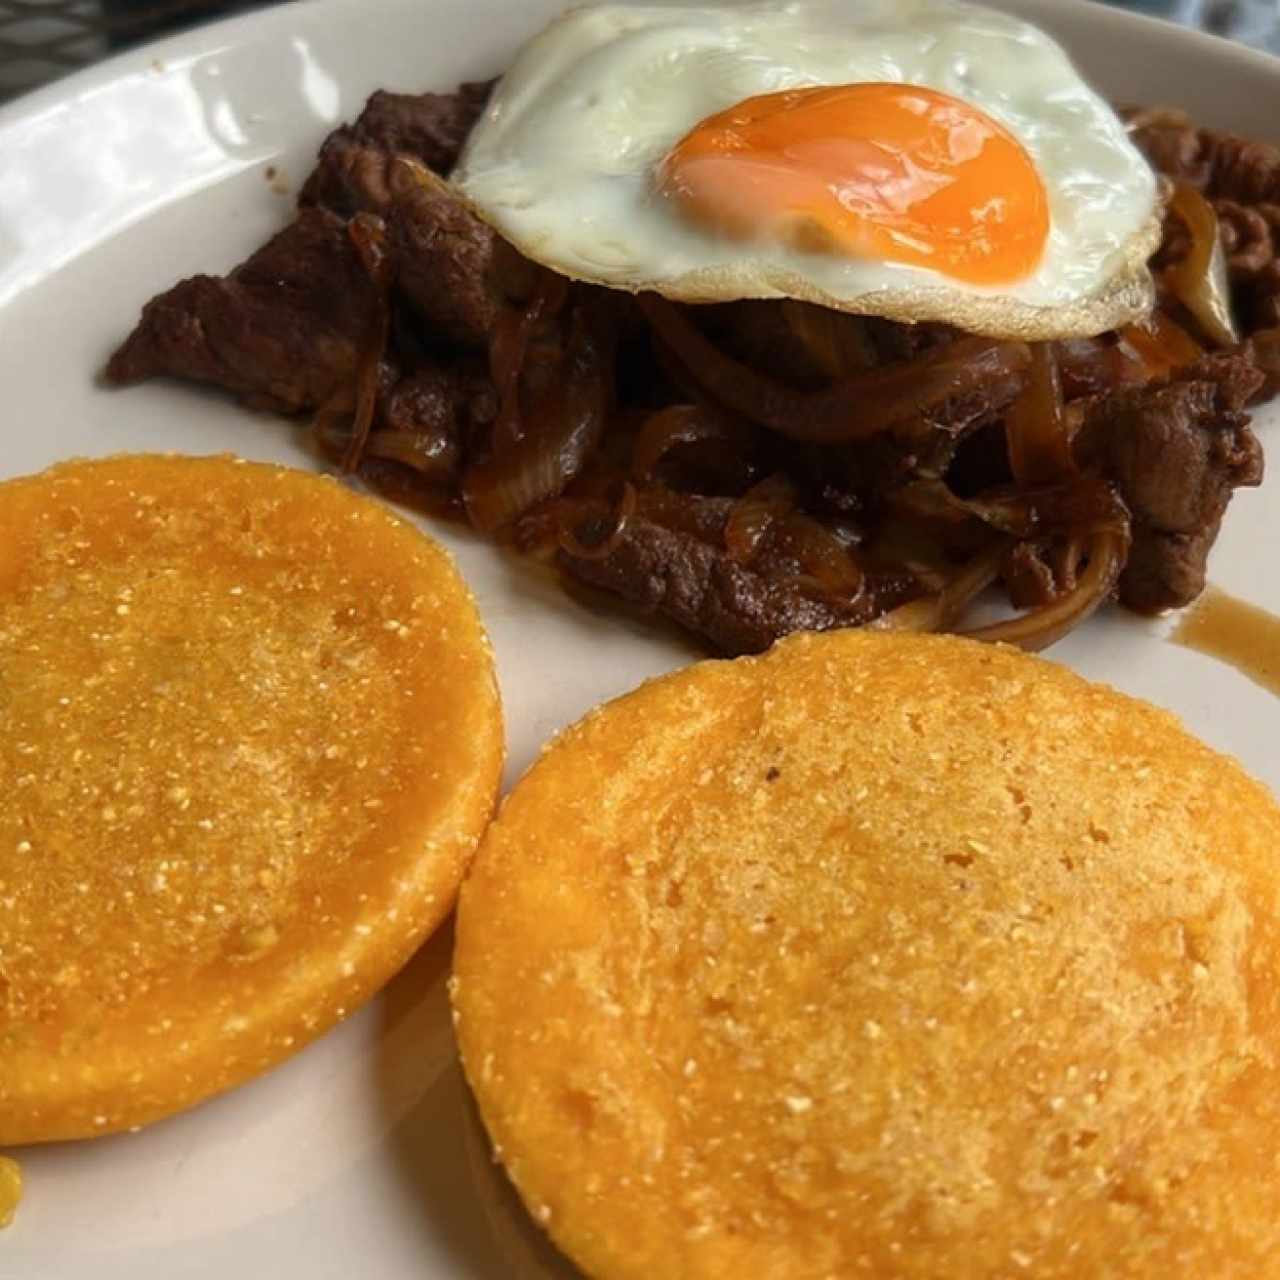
(563, 162)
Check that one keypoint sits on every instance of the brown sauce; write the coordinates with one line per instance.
(1235, 632)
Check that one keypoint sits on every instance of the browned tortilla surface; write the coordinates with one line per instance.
(249, 738)
(888, 956)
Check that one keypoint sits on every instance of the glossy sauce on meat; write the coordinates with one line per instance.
(761, 467)
(1235, 632)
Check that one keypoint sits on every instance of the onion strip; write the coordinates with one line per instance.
(368, 234)
(620, 515)
(765, 520)
(679, 425)
(941, 612)
(1036, 431)
(854, 408)
(835, 340)
(509, 349)
(1161, 344)
(1200, 279)
(1038, 629)
(826, 564)
(560, 437)
(752, 516)
(432, 454)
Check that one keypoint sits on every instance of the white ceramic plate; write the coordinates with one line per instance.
(361, 1157)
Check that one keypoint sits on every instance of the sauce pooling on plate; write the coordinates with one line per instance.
(1235, 632)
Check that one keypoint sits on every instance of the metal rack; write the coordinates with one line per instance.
(43, 39)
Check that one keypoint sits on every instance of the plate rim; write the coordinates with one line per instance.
(282, 20)
(208, 36)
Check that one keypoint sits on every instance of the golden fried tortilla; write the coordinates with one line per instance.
(882, 956)
(249, 738)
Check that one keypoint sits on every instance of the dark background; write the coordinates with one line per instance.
(43, 39)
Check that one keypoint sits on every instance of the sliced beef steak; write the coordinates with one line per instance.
(1217, 162)
(736, 608)
(424, 427)
(1176, 450)
(444, 256)
(353, 171)
(1166, 570)
(282, 331)
(1242, 180)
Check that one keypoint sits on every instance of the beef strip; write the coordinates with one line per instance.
(285, 330)
(1176, 450)
(894, 341)
(762, 335)
(351, 177)
(431, 418)
(1242, 180)
(1166, 570)
(1214, 161)
(444, 256)
(282, 331)
(736, 610)
(690, 578)
(1248, 235)
(388, 162)
(455, 397)
(1257, 298)
(424, 428)
(353, 170)
(934, 437)
(1262, 350)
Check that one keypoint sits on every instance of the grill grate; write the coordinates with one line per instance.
(43, 39)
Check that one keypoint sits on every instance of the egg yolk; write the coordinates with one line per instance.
(891, 172)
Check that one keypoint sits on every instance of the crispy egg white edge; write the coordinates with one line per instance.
(1126, 294)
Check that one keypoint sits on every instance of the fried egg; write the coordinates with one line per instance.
(911, 159)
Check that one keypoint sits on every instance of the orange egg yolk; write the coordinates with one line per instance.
(891, 172)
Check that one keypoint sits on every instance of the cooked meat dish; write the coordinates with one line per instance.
(754, 468)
